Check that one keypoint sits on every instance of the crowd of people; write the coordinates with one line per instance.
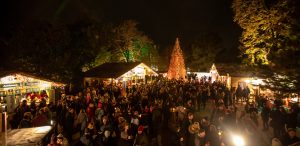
(32, 115)
(283, 121)
(139, 115)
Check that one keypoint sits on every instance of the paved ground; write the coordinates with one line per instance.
(255, 135)
(258, 137)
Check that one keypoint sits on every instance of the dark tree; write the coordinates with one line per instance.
(203, 51)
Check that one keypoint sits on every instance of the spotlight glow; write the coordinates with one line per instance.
(238, 141)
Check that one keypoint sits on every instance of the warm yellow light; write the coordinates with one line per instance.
(7, 79)
(257, 82)
(43, 129)
(139, 70)
(238, 141)
(44, 85)
(295, 99)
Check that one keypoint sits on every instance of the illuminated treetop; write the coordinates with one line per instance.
(214, 73)
(177, 68)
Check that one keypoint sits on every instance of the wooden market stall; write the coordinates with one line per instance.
(127, 73)
(18, 86)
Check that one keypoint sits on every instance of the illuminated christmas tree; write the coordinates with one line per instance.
(177, 67)
(214, 73)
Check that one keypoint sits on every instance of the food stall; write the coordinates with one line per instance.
(125, 73)
(15, 87)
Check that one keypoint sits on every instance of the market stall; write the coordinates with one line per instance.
(15, 87)
(127, 73)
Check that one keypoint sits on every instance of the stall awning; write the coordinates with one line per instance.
(112, 70)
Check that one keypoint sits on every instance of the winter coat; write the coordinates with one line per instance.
(68, 123)
(40, 120)
(291, 120)
(278, 119)
(25, 123)
(265, 114)
(286, 140)
(157, 120)
(90, 111)
(141, 140)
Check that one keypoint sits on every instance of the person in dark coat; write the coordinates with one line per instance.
(68, 124)
(126, 138)
(292, 118)
(200, 138)
(20, 111)
(246, 93)
(89, 136)
(290, 139)
(157, 124)
(106, 139)
(278, 121)
(239, 93)
(141, 138)
(213, 136)
(185, 127)
(176, 135)
(40, 120)
(26, 121)
(265, 115)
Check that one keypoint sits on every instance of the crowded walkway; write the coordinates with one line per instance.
(162, 113)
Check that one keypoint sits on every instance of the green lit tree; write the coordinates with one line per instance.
(128, 44)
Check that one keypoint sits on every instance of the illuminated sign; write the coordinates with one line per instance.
(31, 83)
(10, 85)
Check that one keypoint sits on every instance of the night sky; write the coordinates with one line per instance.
(161, 20)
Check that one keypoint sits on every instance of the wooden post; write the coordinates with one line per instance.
(3, 122)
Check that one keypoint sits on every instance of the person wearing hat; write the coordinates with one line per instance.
(290, 138)
(141, 138)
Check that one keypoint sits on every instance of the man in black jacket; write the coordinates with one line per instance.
(290, 138)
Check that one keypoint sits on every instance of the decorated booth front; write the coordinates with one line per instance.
(16, 87)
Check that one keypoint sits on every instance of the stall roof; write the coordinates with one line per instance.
(238, 70)
(111, 70)
(7, 73)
